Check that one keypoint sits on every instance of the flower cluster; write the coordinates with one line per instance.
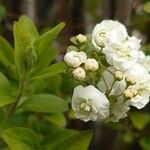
(112, 71)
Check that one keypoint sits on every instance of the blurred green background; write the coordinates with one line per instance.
(80, 16)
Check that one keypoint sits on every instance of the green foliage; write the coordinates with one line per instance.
(51, 71)
(5, 91)
(69, 140)
(21, 139)
(139, 120)
(57, 119)
(146, 7)
(2, 11)
(46, 103)
(145, 143)
(30, 78)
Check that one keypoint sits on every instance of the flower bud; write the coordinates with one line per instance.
(131, 80)
(30, 56)
(119, 75)
(91, 64)
(79, 74)
(128, 94)
(75, 59)
(100, 39)
(81, 38)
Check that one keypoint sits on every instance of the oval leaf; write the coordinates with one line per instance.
(51, 71)
(45, 103)
(21, 139)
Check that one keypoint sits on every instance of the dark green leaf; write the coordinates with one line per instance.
(139, 120)
(77, 141)
(145, 143)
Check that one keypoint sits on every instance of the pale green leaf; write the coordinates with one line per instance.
(44, 48)
(43, 63)
(139, 120)
(21, 139)
(4, 100)
(19, 50)
(57, 119)
(7, 55)
(44, 42)
(5, 88)
(29, 28)
(146, 7)
(51, 71)
(45, 103)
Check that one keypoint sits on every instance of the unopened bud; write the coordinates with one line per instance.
(91, 64)
(128, 94)
(119, 75)
(131, 80)
(79, 74)
(30, 56)
(81, 38)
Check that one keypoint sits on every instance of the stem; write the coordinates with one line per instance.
(12, 107)
(111, 87)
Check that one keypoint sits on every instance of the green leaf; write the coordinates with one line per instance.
(145, 143)
(45, 41)
(44, 62)
(5, 91)
(44, 48)
(139, 120)
(45, 103)
(7, 56)
(77, 141)
(21, 139)
(57, 119)
(2, 11)
(28, 30)
(51, 71)
(19, 50)
(5, 88)
(146, 7)
(128, 137)
(4, 100)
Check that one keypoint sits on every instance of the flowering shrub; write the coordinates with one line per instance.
(112, 77)
(110, 71)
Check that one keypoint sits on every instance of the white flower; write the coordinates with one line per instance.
(144, 60)
(91, 64)
(81, 38)
(121, 51)
(90, 104)
(118, 111)
(79, 74)
(138, 71)
(101, 30)
(75, 59)
(142, 96)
